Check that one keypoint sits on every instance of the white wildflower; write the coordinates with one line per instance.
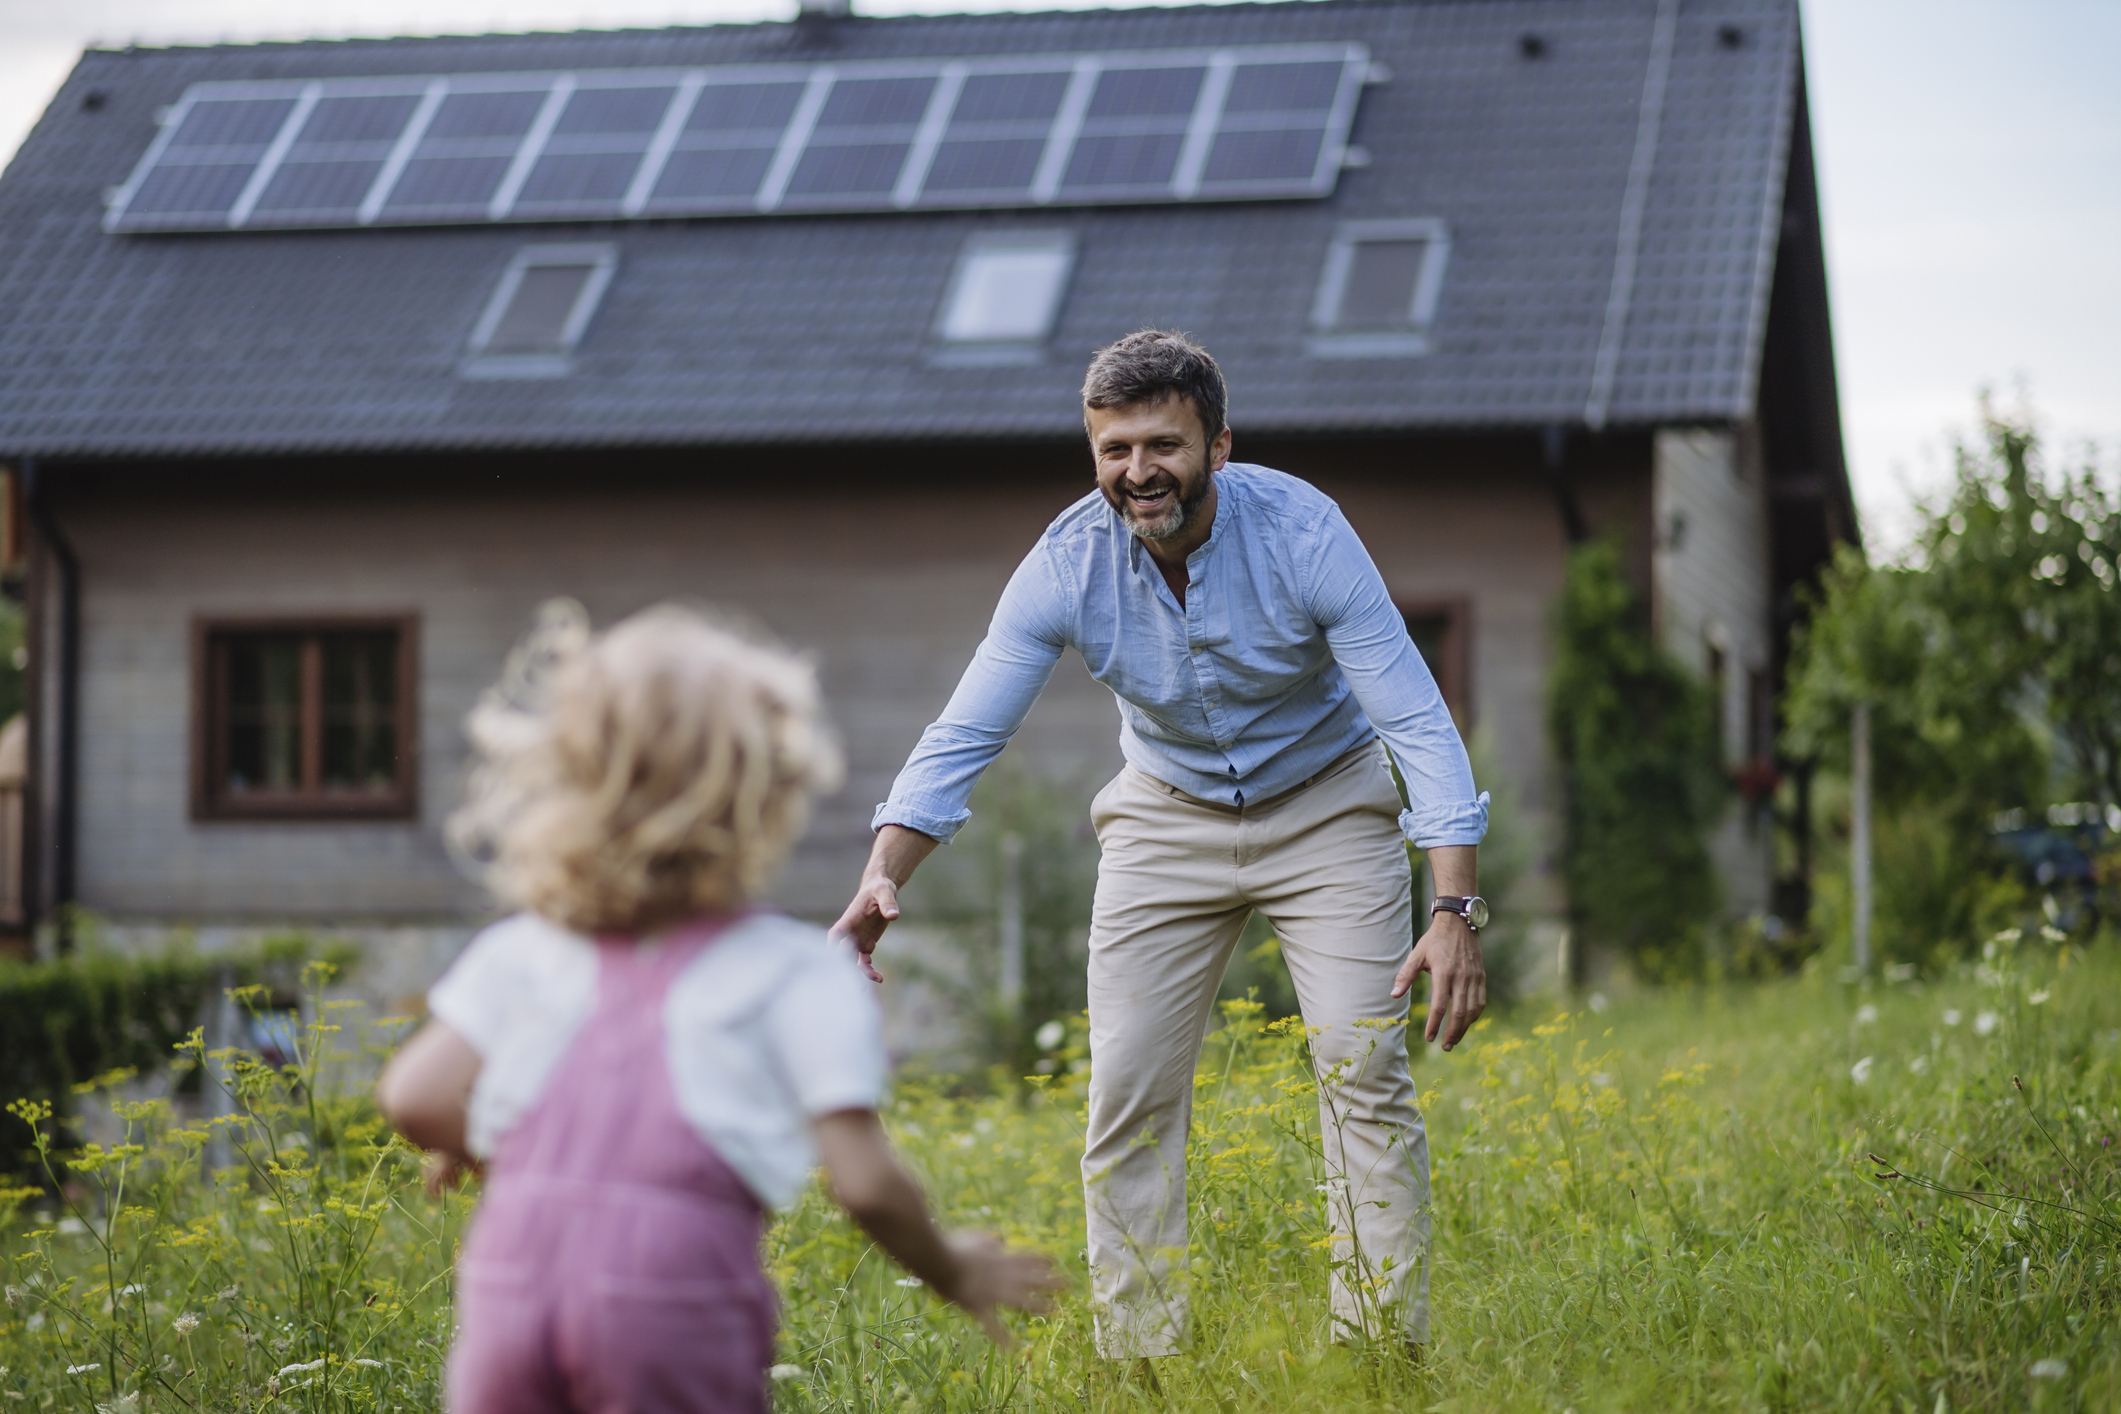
(2049, 1369)
(366, 1363)
(2053, 934)
(1860, 1072)
(15, 1297)
(286, 1370)
(1951, 1016)
(185, 1324)
(1920, 1065)
(123, 1404)
(785, 1372)
(72, 1226)
(1602, 1079)
(1049, 1038)
(83, 1369)
(1598, 1002)
(1986, 1023)
(1866, 1014)
(908, 1281)
(134, 1290)
(35, 1321)
(2038, 997)
(228, 1295)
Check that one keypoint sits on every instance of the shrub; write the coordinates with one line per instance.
(1642, 776)
(66, 1022)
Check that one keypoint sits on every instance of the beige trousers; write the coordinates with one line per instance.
(1179, 876)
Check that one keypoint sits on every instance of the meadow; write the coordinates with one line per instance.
(1807, 1194)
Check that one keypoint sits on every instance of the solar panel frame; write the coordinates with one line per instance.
(1189, 175)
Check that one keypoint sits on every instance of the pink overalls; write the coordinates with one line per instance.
(613, 1265)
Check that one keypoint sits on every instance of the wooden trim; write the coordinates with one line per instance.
(209, 745)
(1454, 673)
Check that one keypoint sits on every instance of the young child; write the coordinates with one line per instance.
(643, 1059)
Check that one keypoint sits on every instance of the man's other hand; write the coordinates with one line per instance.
(897, 853)
(873, 909)
(1458, 979)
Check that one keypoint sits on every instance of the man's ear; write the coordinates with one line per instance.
(1219, 450)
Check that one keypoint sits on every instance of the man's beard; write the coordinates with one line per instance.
(1174, 519)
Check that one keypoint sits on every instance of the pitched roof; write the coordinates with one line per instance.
(1610, 259)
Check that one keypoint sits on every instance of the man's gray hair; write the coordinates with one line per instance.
(1150, 365)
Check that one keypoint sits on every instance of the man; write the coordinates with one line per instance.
(1258, 660)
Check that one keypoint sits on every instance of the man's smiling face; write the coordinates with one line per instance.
(1156, 464)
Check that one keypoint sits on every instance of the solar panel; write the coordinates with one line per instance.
(997, 131)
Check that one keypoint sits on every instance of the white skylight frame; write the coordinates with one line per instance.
(602, 259)
(1328, 341)
(960, 338)
(1197, 131)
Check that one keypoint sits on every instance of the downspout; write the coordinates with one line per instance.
(1555, 443)
(65, 657)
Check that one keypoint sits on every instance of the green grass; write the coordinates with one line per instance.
(1671, 1204)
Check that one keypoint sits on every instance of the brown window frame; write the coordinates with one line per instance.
(1454, 673)
(209, 744)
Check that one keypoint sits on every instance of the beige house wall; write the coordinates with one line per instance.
(879, 580)
(1711, 576)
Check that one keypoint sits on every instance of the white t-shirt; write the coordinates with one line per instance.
(768, 1028)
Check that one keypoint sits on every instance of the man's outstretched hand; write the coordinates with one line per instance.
(897, 853)
(1458, 979)
(873, 909)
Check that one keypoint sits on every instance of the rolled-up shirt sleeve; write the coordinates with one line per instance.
(1397, 692)
(1011, 668)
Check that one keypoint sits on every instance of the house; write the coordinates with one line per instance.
(323, 364)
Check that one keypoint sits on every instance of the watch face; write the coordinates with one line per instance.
(1476, 913)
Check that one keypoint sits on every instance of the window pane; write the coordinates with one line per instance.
(360, 746)
(264, 713)
(1007, 293)
(537, 315)
(1380, 289)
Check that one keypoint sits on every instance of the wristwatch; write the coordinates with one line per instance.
(1471, 907)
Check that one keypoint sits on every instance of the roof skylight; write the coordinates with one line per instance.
(539, 311)
(1005, 296)
(1378, 293)
(1015, 130)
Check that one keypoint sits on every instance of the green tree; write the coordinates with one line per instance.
(1635, 735)
(1990, 656)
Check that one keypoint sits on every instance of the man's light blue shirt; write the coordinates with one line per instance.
(1286, 655)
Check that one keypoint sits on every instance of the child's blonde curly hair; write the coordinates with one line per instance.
(634, 778)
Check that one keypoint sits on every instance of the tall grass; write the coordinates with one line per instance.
(1797, 1195)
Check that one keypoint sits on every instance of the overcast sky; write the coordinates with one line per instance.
(1970, 152)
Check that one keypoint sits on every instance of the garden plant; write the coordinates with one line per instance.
(1808, 1193)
